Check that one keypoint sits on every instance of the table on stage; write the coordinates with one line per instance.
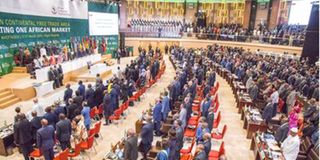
(44, 88)
(42, 74)
(98, 68)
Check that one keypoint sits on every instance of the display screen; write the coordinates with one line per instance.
(300, 12)
(103, 24)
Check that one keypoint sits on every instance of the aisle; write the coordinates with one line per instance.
(113, 133)
(237, 146)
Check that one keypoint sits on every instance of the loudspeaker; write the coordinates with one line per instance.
(311, 43)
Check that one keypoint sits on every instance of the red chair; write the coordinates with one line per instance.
(187, 151)
(100, 110)
(62, 155)
(35, 154)
(215, 109)
(219, 136)
(280, 105)
(97, 128)
(76, 153)
(93, 112)
(88, 145)
(216, 154)
(91, 132)
(193, 120)
(217, 120)
(217, 86)
(116, 115)
(190, 132)
(216, 99)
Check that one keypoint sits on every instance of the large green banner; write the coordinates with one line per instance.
(27, 23)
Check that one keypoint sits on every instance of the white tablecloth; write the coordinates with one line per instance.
(98, 68)
(44, 88)
(42, 74)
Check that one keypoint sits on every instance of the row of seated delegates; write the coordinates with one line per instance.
(292, 35)
(70, 120)
(158, 28)
(272, 80)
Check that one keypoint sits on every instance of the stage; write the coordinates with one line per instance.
(16, 87)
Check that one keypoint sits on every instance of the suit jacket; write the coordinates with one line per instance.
(45, 138)
(210, 119)
(131, 148)
(82, 89)
(157, 116)
(107, 105)
(71, 110)
(207, 147)
(67, 94)
(282, 132)
(51, 76)
(63, 130)
(78, 100)
(179, 136)
(35, 125)
(22, 132)
(52, 118)
(147, 134)
(201, 156)
(89, 96)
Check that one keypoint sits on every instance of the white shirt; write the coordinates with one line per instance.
(39, 109)
(275, 97)
(249, 82)
(290, 147)
(43, 51)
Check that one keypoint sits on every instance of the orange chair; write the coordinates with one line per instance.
(116, 115)
(35, 154)
(219, 136)
(62, 155)
(77, 151)
(93, 112)
(215, 109)
(100, 110)
(190, 132)
(187, 151)
(217, 120)
(88, 145)
(97, 128)
(193, 120)
(216, 154)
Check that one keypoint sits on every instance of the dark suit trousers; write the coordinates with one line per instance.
(65, 144)
(26, 150)
(157, 125)
(48, 154)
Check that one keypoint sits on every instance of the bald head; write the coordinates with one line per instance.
(44, 122)
(131, 132)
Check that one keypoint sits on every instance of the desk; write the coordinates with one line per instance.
(265, 148)
(6, 139)
(68, 66)
(98, 69)
(253, 126)
(242, 101)
(44, 88)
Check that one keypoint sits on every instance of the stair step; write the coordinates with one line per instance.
(18, 71)
(4, 94)
(7, 98)
(9, 103)
(4, 89)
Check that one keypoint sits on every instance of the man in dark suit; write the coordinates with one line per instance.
(179, 137)
(81, 88)
(67, 94)
(78, 99)
(51, 77)
(63, 131)
(56, 76)
(131, 146)
(146, 137)
(60, 71)
(45, 140)
(71, 108)
(35, 125)
(157, 117)
(50, 116)
(200, 153)
(107, 108)
(210, 119)
(207, 143)
(89, 96)
(23, 135)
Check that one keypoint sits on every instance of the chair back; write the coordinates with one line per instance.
(64, 155)
(97, 127)
(217, 121)
(100, 109)
(224, 130)
(92, 131)
(217, 86)
(118, 112)
(216, 107)
(90, 141)
(77, 149)
(221, 149)
(93, 112)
